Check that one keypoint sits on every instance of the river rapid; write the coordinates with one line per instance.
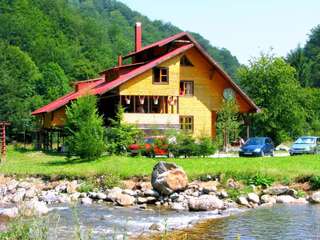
(282, 221)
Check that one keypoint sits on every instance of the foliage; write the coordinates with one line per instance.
(271, 83)
(306, 60)
(260, 180)
(184, 145)
(18, 77)
(110, 180)
(206, 146)
(19, 229)
(85, 129)
(86, 187)
(315, 182)
(120, 135)
(234, 193)
(227, 122)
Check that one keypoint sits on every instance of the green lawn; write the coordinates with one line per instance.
(38, 163)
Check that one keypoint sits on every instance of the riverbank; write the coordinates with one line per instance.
(199, 201)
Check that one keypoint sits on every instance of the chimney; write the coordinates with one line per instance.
(138, 36)
(119, 61)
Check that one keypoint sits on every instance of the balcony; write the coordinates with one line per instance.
(152, 120)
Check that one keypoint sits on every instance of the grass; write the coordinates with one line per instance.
(40, 164)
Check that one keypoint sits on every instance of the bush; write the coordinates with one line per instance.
(85, 129)
(184, 146)
(315, 182)
(260, 180)
(120, 135)
(206, 147)
(86, 187)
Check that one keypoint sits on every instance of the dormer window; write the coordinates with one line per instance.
(185, 62)
(161, 75)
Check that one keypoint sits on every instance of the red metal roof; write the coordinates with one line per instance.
(100, 86)
(158, 44)
(68, 97)
(135, 72)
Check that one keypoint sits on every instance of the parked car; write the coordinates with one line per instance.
(153, 146)
(305, 145)
(257, 146)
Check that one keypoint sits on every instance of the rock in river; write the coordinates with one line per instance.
(205, 203)
(168, 178)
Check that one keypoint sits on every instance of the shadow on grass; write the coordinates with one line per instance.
(69, 161)
(30, 150)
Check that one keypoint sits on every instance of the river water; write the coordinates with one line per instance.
(283, 222)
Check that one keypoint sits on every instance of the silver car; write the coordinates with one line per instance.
(305, 145)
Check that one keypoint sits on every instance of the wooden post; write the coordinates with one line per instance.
(3, 141)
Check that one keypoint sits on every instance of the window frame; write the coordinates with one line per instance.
(183, 82)
(182, 123)
(160, 75)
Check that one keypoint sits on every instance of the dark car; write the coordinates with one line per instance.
(257, 146)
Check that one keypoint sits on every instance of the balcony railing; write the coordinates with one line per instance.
(152, 120)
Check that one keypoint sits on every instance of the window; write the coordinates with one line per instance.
(184, 61)
(186, 123)
(161, 75)
(186, 88)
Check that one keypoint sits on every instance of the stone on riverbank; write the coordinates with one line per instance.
(252, 197)
(276, 190)
(205, 203)
(124, 199)
(285, 199)
(9, 212)
(243, 201)
(266, 198)
(168, 178)
(33, 208)
(86, 201)
(315, 197)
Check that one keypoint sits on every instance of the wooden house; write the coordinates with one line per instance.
(172, 83)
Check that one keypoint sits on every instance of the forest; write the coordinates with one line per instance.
(46, 45)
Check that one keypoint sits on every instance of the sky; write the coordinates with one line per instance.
(245, 27)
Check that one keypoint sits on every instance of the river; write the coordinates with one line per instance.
(285, 222)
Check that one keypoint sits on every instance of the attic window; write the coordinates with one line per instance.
(160, 75)
(184, 61)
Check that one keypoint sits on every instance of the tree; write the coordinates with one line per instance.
(227, 122)
(120, 134)
(18, 78)
(271, 83)
(54, 82)
(85, 129)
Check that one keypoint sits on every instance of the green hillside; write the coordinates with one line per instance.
(47, 44)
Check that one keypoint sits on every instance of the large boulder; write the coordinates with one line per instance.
(168, 178)
(277, 190)
(205, 203)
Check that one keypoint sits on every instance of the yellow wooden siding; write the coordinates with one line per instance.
(143, 85)
(55, 118)
(208, 93)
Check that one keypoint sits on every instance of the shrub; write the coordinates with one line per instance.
(315, 182)
(110, 181)
(206, 147)
(260, 180)
(86, 187)
(183, 146)
(120, 135)
(85, 129)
